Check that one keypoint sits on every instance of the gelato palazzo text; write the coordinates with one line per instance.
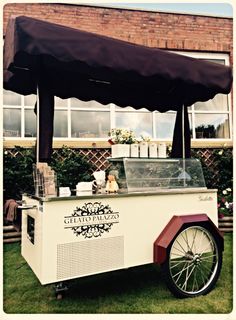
(88, 220)
(91, 220)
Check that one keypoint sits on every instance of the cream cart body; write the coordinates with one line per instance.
(154, 219)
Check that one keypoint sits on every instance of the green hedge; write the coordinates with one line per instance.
(17, 170)
(223, 181)
(223, 164)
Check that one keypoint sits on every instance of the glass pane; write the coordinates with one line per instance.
(220, 61)
(60, 124)
(11, 98)
(12, 122)
(117, 108)
(164, 123)
(190, 115)
(212, 126)
(61, 102)
(89, 124)
(155, 174)
(30, 100)
(30, 123)
(76, 103)
(139, 122)
(218, 103)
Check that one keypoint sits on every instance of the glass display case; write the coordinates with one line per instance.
(150, 175)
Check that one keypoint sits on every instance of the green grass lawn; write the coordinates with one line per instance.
(135, 290)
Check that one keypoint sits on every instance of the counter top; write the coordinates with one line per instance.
(125, 194)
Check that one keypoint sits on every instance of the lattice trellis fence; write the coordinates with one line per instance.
(208, 158)
(98, 156)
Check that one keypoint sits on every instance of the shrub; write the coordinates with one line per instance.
(223, 181)
(18, 170)
(223, 164)
(225, 203)
(71, 167)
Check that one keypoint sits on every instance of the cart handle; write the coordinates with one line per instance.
(27, 207)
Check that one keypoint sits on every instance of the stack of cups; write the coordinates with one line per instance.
(134, 150)
(152, 150)
(162, 150)
(143, 149)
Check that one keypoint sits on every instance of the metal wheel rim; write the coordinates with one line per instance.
(193, 260)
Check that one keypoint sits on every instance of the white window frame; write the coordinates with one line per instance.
(211, 56)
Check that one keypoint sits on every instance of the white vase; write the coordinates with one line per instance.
(162, 150)
(134, 150)
(143, 149)
(152, 150)
(120, 151)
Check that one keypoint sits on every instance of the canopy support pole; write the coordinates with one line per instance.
(181, 146)
(45, 117)
(37, 132)
(183, 134)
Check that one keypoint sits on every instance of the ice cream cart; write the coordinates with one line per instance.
(162, 213)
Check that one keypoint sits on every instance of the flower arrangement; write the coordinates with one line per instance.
(145, 138)
(121, 136)
(225, 203)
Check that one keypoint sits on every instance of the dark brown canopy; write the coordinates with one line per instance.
(66, 62)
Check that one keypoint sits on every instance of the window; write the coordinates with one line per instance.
(164, 125)
(60, 124)
(12, 122)
(75, 119)
(212, 118)
(139, 121)
(30, 123)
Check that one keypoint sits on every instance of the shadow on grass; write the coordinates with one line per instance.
(129, 281)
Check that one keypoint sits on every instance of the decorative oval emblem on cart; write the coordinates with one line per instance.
(91, 220)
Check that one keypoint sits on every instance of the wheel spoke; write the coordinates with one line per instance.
(177, 255)
(181, 246)
(188, 276)
(200, 241)
(186, 240)
(180, 274)
(210, 244)
(184, 268)
(208, 257)
(206, 268)
(202, 275)
(194, 239)
(178, 263)
(179, 250)
(195, 280)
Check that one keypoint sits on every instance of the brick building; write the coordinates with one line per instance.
(80, 124)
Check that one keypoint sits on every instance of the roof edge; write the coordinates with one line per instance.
(120, 7)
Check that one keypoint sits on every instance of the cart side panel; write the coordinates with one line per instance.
(31, 244)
